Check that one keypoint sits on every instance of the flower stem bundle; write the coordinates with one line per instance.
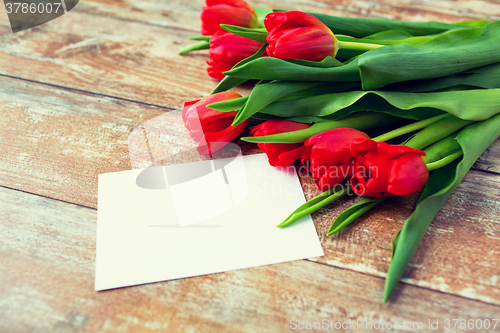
(321, 80)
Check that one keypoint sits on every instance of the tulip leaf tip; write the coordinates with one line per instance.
(286, 222)
(331, 233)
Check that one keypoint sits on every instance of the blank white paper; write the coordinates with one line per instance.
(198, 218)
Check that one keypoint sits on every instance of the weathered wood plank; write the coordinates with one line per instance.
(47, 272)
(55, 142)
(487, 160)
(128, 60)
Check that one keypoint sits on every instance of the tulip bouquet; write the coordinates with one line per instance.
(323, 80)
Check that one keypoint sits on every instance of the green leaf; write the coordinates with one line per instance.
(480, 77)
(315, 204)
(230, 82)
(304, 119)
(195, 47)
(325, 88)
(475, 23)
(230, 105)
(473, 139)
(395, 243)
(264, 94)
(268, 68)
(325, 63)
(469, 104)
(362, 27)
(390, 35)
(352, 213)
(359, 120)
(452, 52)
(258, 35)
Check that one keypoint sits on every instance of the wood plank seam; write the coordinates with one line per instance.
(44, 196)
(487, 171)
(86, 92)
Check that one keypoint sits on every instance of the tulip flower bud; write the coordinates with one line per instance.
(383, 170)
(226, 50)
(329, 155)
(280, 154)
(212, 129)
(298, 35)
(232, 12)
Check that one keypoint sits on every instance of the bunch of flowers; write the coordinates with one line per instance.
(323, 80)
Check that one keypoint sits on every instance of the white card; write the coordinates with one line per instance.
(207, 217)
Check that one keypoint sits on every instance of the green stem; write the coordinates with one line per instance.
(203, 45)
(408, 128)
(358, 46)
(444, 161)
(442, 149)
(359, 120)
(313, 205)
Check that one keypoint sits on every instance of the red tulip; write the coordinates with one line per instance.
(331, 161)
(226, 50)
(298, 35)
(383, 170)
(233, 12)
(212, 129)
(280, 154)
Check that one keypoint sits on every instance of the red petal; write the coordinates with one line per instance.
(332, 147)
(306, 43)
(360, 147)
(187, 105)
(271, 127)
(292, 19)
(408, 174)
(384, 147)
(287, 158)
(214, 141)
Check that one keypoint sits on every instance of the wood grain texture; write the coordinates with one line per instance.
(129, 60)
(47, 272)
(487, 160)
(55, 142)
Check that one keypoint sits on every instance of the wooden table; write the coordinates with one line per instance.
(73, 89)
